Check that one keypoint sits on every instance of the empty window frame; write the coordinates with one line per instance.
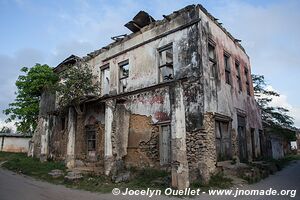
(166, 70)
(247, 81)
(105, 76)
(124, 74)
(212, 60)
(223, 140)
(238, 75)
(227, 69)
(165, 144)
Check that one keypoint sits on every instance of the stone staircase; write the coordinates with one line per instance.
(89, 168)
(231, 171)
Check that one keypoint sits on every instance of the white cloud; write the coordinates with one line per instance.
(269, 33)
(282, 101)
(10, 69)
(10, 125)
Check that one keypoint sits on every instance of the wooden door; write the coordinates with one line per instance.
(165, 145)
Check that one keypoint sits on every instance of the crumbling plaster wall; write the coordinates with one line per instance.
(221, 97)
(58, 139)
(94, 118)
(39, 145)
(183, 104)
(143, 60)
(134, 132)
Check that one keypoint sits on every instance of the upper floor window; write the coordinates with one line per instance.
(105, 76)
(247, 81)
(212, 60)
(124, 74)
(227, 69)
(166, 71)
(238, 75)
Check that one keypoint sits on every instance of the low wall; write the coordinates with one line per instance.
(14, 143)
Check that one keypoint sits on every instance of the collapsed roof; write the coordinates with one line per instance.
(141, 20)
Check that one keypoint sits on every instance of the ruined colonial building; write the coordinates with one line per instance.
(176, 94)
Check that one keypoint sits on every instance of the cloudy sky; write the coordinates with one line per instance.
(33, 31)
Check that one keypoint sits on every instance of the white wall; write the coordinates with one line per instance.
(14, 144)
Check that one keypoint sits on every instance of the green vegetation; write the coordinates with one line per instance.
(142, 179)
(277, 117)
(20, 163)
(25, 108)
(79, 82)
(257, 172)
(281, 163)
(218, 181)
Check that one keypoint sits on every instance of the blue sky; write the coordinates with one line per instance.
(35, 31)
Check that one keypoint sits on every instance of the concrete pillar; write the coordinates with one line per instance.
(45, 139)
(108, 155)
(70, 160)
(180, 169)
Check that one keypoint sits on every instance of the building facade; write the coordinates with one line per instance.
(176, 94)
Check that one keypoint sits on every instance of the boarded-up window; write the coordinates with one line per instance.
(105, 76)
(124, 74)
(165, 144)
(166, 71)
(223, 140)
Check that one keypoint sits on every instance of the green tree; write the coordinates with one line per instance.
(25, 109)
(77, 83)
(277, 117)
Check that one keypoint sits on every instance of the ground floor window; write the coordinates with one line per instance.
(223, 140)
(91, 140)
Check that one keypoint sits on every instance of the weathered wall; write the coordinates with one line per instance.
(143, 60)
(277, 148)
(128, 125)
(201, 150)
(220, 97)
(58, 139)
(134, 130)
(39, 145)
(14, 144)
(143, 142)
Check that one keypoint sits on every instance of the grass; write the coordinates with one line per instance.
(254, 173)
(218, 181)
(20, 163)
(281, 163)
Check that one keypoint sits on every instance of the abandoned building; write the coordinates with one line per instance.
(176, 94)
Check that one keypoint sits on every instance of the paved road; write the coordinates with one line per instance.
(17, 187)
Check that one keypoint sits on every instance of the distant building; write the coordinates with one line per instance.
(14, 142)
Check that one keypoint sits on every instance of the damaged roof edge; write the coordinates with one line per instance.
(69, 60)
(153, 23)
